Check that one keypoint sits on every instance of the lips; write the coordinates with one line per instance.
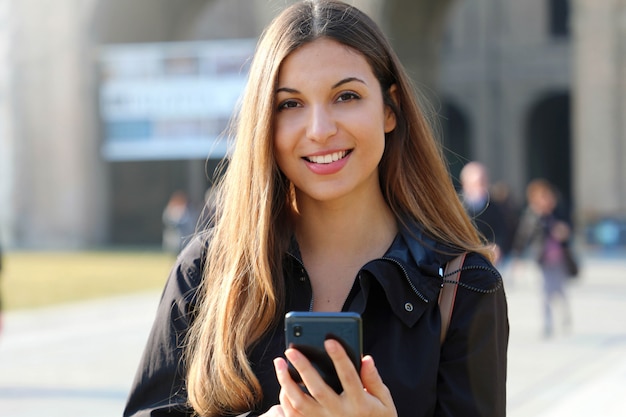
(328, 158)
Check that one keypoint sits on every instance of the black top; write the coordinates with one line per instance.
(396, 296)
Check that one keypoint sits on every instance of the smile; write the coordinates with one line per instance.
(328, 158)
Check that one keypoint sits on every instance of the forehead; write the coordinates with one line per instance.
(321, 57)
(541, 192)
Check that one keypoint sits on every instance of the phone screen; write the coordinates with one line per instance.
(307, 331)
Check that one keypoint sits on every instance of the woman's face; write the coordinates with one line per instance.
(330, 122)
(542, 202)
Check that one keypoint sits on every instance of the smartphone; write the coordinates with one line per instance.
(307, 331)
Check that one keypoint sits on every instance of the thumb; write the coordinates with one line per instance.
(373, 383)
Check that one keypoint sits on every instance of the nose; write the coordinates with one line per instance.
(321, 124)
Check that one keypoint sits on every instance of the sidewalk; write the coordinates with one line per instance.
(79, 359)
(73, 360)
(577, 373)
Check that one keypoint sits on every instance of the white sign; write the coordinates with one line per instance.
(171, 100)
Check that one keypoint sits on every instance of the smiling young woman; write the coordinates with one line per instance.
(330, 129)
(335, 198)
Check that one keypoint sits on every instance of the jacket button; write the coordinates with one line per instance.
(408, 307)
(302, 278)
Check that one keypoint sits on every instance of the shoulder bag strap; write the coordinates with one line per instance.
(448, 293)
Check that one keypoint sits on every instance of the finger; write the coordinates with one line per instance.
(348, 375)
(292, 398)
(285, 404)
(373, 383)
(311, 378)
(274, 411)
(284, 378)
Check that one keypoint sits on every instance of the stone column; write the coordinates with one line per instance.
(621, 109)
(59, 190)
(6, 125)
(599, 108)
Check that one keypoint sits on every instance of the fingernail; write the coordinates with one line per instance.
(330, 345)
(293, 355)
(279, 365)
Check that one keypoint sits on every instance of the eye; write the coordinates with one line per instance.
(288, 104)
(348, 96)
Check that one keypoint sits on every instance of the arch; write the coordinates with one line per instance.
(548, 143)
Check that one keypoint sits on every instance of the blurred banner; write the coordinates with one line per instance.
(170, 101)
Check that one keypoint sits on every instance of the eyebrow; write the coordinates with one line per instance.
(337, 84)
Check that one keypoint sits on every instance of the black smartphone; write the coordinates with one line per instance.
(307, 331)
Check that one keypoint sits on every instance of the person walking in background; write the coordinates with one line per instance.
(488, 215)
(500, 193)
(335, 198)
(546, 236)
(178, 222)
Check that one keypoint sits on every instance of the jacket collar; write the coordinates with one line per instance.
(409, 273)
(428, 254)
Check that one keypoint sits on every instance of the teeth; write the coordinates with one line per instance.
(327, 159)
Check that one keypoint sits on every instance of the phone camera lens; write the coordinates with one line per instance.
(297, 331)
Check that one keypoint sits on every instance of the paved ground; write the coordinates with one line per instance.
(581, 372)
(73, 360)
(79, 359)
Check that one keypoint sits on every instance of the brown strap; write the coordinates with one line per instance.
(448, 293)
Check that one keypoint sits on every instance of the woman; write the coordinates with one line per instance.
(335, 197)
(544, 233)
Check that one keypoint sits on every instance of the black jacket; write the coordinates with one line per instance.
(397, 299)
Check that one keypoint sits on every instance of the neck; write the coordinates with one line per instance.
(346, 229)
(337, 238)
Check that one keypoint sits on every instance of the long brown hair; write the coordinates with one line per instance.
(243, 289)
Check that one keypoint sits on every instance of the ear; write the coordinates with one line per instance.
(390, 116)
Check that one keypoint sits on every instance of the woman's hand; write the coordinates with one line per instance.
(362, 396)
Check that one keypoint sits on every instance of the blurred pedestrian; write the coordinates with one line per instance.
(501, 195)
(545, 234)
(178, 222)
(487, 214)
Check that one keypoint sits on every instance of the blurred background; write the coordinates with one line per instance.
(112, 115)
(109, 107)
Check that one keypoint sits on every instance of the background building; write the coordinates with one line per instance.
(533, 88)
(507, 86)
(538, 89)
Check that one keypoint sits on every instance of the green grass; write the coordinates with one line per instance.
(35, 279)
